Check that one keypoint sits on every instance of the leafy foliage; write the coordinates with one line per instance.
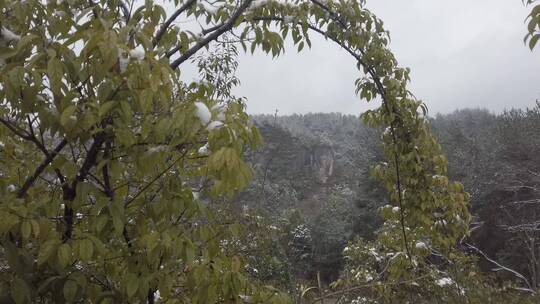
(533, 24)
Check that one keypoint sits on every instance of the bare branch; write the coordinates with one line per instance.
(504, 268)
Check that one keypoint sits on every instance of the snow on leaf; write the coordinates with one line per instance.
(203, 113)
(214, 125)
(444, 282)
(137, 53)
(157, 149)
(8, 35)
(421, 245)
(210, 9)
(258, 3)
(203, 150)
(288, 19)
(59, 14)
(123, 62)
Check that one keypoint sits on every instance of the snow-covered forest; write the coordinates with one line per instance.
(313, 187)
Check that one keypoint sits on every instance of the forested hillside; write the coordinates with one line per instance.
(313, 172)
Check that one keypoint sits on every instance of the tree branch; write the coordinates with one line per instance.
(70, 192)
(163, 29)
(222, 29)
(48, 159)
(501, 267)
(150, 183)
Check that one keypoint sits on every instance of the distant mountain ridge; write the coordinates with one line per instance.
(319, 165)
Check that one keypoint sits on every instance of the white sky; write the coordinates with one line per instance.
(463, 53)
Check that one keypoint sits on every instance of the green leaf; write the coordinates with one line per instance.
(86, 249)
(26, 229)
(46, 251)
(35, 227)
(70, 290)
(20, 291)
(43, 286)
(106, 107)
(533, 41)
(64, 255)
(117, 213)
(301, 46)
(132, 285)
(55, 71)
(68, 118)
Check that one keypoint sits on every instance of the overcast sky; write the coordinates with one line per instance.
(463, 53)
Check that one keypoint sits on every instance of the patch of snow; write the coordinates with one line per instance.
(203, 150)
(157, 149)
(421, 245)
(444, 282)
(8, 35)
(203, 113)
(387, 206)
(288, 19)
(258, 3)
(59, 14)
(212, 10)
(221, 116)
(440, 223)
(137, 53)
(214, 125)
(123, 62)
(219, 107)
(375, 254)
